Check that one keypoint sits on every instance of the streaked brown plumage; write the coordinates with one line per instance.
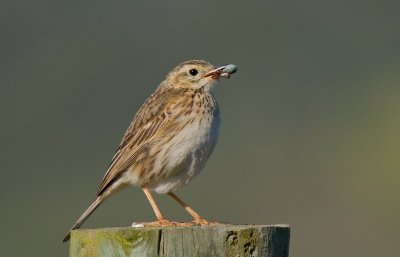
(169, 140)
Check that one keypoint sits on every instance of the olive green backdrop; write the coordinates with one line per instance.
(310, 126)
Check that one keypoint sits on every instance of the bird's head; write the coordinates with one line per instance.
(198, 74)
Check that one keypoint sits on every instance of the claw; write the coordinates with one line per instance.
(201, 222)
(163, 223)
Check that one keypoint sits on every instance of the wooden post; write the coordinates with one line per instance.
(208, 241)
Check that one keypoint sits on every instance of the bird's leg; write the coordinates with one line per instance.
(161, 220)
(153, 204)
(197, 218)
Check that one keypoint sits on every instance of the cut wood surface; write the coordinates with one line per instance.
(208, 241)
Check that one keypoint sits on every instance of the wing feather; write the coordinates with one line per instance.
(152, 117)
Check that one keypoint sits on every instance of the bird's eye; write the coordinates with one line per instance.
(193, 72)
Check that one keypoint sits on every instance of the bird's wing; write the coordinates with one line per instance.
(152, 118)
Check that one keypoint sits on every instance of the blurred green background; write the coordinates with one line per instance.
(310, 125)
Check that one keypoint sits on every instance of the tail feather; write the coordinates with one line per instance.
(85, 215)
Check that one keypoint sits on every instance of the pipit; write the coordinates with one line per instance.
(169, 140)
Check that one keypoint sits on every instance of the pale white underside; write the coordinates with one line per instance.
(188, 154)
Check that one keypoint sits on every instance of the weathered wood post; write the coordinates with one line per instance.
(208, 241)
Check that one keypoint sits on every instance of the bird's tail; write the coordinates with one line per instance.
(85, 215)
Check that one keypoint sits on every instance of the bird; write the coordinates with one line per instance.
(169, 139)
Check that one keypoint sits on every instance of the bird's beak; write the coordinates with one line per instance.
(222, 71)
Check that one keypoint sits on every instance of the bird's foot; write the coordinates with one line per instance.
(201, 222)
(169, 223)
(162, 223)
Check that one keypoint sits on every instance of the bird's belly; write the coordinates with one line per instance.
(186, 154)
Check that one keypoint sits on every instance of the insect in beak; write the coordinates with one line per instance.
(222, 71)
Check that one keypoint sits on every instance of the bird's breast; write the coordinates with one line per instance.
(187, 152)
(196, 140)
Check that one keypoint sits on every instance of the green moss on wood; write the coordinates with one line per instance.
(245, 242)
